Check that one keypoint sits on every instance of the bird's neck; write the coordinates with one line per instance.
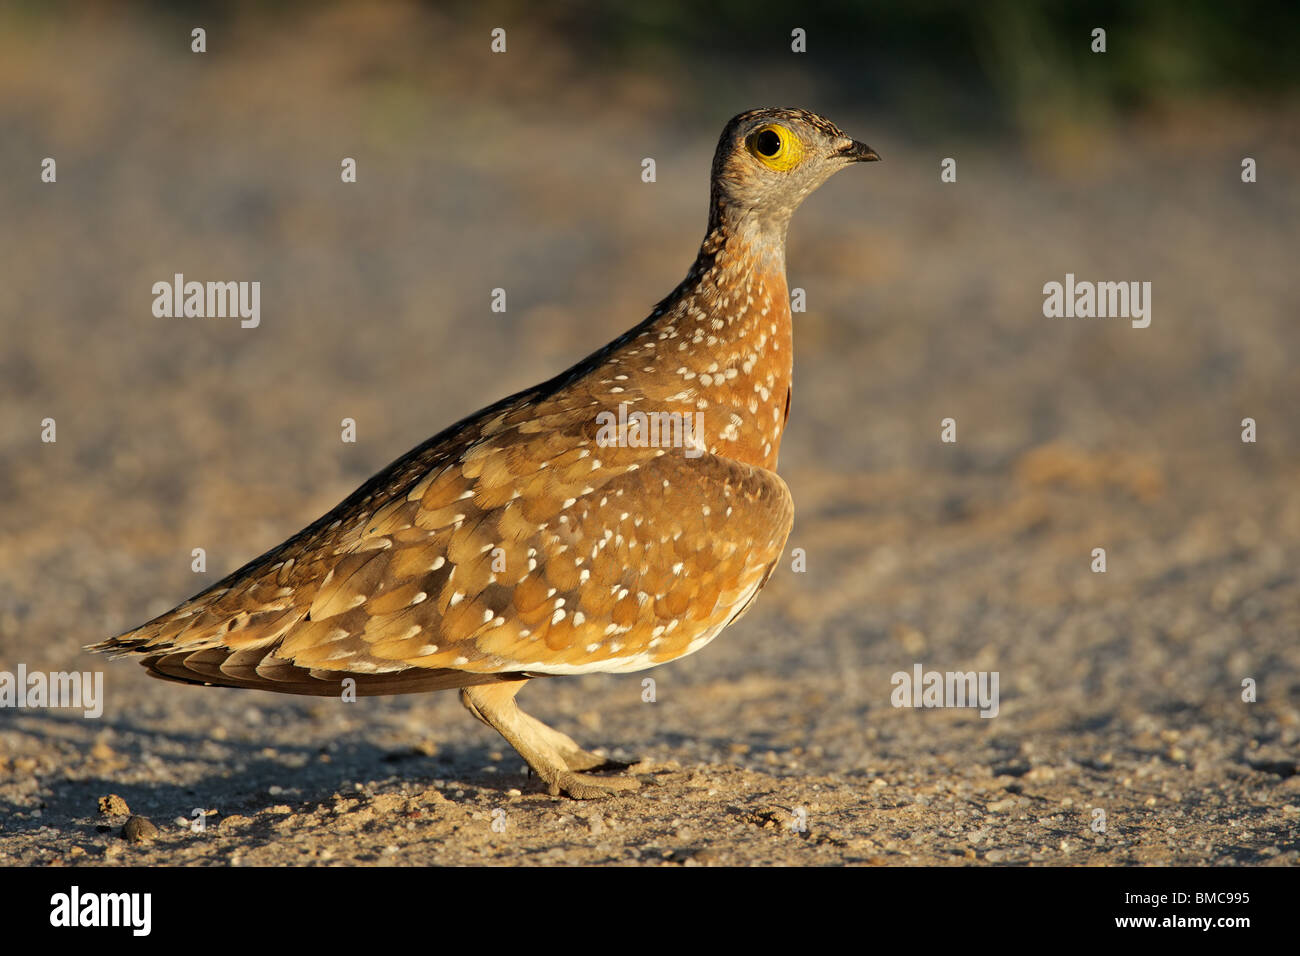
(722, 346)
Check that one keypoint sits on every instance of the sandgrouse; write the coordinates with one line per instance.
(554, 532)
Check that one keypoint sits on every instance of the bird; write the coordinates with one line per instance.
(557, 531)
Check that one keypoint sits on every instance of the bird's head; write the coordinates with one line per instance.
(769, 160)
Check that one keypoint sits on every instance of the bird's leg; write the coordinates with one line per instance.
(547, 751)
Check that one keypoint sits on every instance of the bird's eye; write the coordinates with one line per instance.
(776, 147)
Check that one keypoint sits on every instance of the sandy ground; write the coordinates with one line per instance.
(1121, 693)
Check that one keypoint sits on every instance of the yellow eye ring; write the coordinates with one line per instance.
(775, 147)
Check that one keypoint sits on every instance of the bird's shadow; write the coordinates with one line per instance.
(240, 778)
(238, 774)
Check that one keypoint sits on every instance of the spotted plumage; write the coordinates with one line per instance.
(534, 537)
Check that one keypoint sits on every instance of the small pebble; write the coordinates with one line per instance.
(113, 806)
(102, 751)
(139, 830)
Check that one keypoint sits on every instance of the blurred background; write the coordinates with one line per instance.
(522, 170)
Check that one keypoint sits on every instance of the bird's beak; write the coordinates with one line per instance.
(857, 152)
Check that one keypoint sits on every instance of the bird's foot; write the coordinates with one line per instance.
(585, 786)
(553, 756)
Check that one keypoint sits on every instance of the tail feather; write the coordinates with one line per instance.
(205, 668)
(193, 645)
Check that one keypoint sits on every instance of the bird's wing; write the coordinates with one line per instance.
(518, 544)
